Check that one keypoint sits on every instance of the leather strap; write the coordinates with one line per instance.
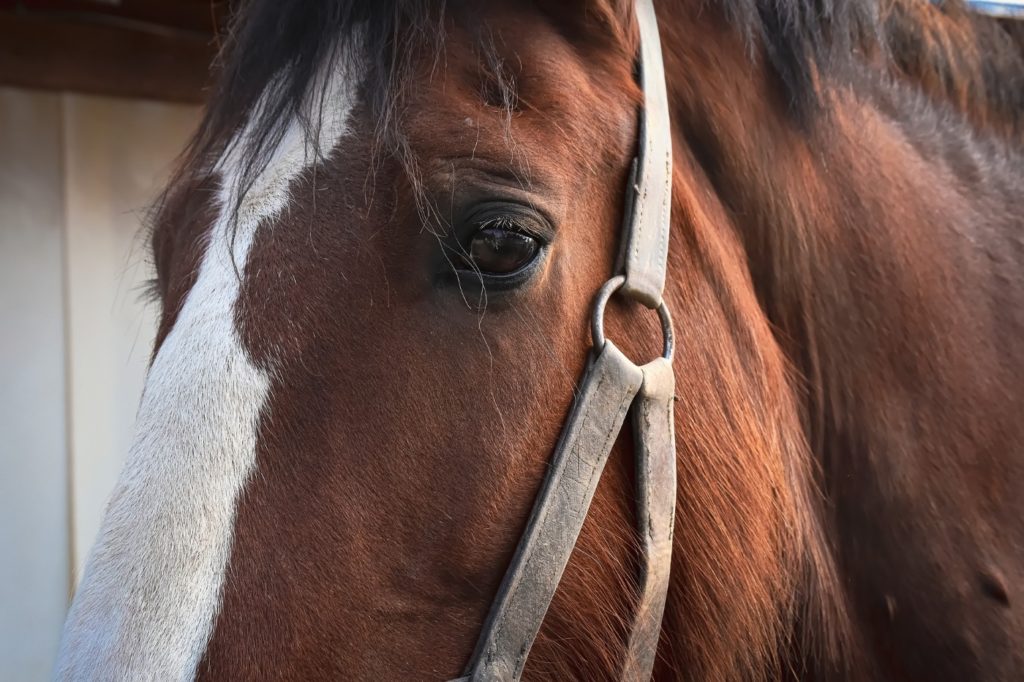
(607, 390)
(611, 386)
(644, 256)
(655, 444)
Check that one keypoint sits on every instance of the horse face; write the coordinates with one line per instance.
(424, 327)
(362, 370)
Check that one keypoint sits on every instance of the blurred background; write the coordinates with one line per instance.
(97, 98)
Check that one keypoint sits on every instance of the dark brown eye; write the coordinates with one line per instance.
(498, 249)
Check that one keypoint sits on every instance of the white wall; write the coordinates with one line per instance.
(76, 175)
(34, 540)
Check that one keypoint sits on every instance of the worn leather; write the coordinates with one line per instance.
(654, 436)
(649, 196)
(606, 393)
(611, 386)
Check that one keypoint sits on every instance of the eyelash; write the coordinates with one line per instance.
(504, 222)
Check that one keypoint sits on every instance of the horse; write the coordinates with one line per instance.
(376, 267)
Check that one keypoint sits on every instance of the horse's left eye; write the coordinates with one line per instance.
(501, 250)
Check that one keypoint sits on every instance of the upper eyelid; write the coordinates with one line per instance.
(504, 221)
(525, 219)
(511, 224)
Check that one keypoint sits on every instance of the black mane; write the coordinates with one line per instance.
(288, 39)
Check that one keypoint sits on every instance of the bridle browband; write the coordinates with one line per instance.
(611, 387)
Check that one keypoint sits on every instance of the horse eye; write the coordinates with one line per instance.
(499, 250)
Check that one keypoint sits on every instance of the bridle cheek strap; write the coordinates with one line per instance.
(607, 391)
(654, 436)
(645, 232)
(611, 386)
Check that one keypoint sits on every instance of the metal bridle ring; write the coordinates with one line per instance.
(597, 321)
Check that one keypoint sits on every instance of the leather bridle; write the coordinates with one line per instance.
(611, 387)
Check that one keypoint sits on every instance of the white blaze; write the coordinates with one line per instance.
(151, 590)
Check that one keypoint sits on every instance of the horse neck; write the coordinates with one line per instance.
(873, 233)
(883, 242)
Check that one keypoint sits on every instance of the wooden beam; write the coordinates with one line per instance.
(124, 59)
